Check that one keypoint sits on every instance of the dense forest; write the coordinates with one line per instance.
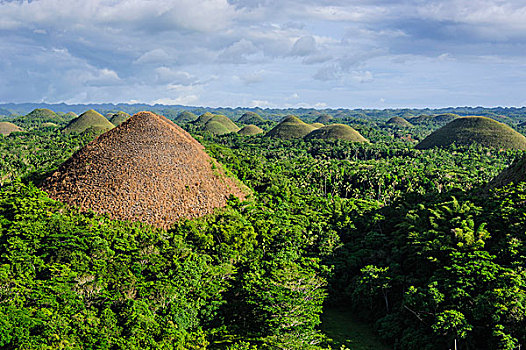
(415, 243)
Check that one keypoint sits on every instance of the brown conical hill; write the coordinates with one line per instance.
(147, 169)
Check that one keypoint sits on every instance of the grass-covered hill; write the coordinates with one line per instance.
(433, 120)
(318, 125)
(475, 130)
(338, 132)
(7, 128)
(291, 127)
(250, 130)
(39, 116)
(219, 125)
(251, 118)
(324, 119)
(117, 118)
(203, 118)
(399, 122)
(90, 119)
(185, 117)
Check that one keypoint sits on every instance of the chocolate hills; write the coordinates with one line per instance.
(147, 169)
(117, 118)
(89, 120)
(250, 130)
(338, 132)
(185, 117)
(324, 119)
(399, 122)
(318, 125)
(251, 118)
(469, 130)
(7, 128)
(37, 117)
(216, 124)
(291, 127)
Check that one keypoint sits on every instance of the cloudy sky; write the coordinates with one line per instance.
(267, 53)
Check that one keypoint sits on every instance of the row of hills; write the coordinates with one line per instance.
(449, 128)
(147, 168)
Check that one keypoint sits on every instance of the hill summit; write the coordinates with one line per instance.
(291, 127)
(338, 132)
(469, 130)
(147, 169)
(89, 120)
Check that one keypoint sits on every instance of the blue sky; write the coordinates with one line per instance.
(266, 53)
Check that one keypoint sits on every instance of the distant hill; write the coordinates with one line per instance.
(291, 127)
(399, 122)
(251, 118)
(38, 117)
(324, 119)
(117, 118)
(185, 117)
(439, 119)
(336, 131)
(203, 118)
(7, 128)
(318, 125)
(147, 169)
(445, 117)
(469, 130)
(250, 130)
(89, 120)
(219, 125)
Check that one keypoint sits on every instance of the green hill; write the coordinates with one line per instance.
(469, 130)
(117, 118)
(70, 115)
(38, 117)
(250, 130)
(337, 131)
(291, 127)
(399, 122)
(445, 117)
(324, 119)
(89, 120)
(185, 117)
(203, 118)
(7, 128)
(251, 118)
(318, 125)
(219, 125)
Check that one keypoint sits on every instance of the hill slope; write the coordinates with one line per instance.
(7, 128)
(147, 169)
(219, 125)
(89, 119)
(291, 127)
(399, 122)
(117, 118)
(337, 131)
(250, 130)
(469, 130)
(251, 118)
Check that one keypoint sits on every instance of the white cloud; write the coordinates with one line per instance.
(304, 46)
(154, 56)
(166, 75)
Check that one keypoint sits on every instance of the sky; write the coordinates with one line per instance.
(265, 53)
